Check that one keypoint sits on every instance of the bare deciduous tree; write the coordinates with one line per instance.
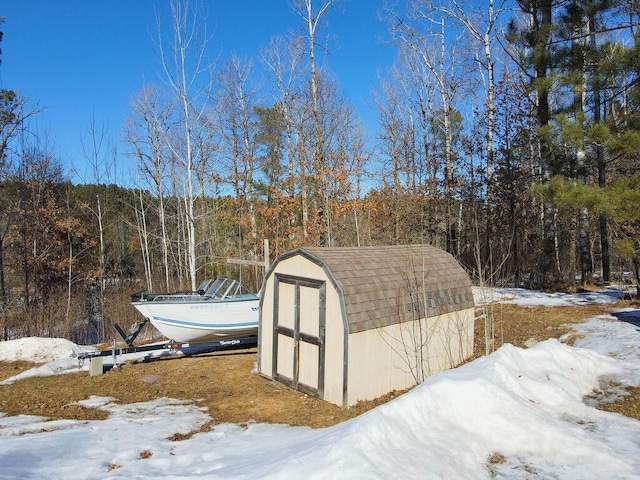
(146, 132)
(188, 74)
(424, 33)
(236, 99)
(313, 18)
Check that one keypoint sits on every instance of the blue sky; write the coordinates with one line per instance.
(85, 58)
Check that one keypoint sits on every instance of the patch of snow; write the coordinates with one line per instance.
(39, 350)
(524, 297)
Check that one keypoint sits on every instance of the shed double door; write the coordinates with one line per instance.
(299, 332)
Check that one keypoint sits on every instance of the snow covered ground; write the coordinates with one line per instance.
(525, 298)
(516, 414)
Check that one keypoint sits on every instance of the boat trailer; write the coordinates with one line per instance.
(190, 348)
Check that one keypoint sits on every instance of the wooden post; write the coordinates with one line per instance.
(264, 263)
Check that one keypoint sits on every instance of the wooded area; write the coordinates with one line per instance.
(508, 134)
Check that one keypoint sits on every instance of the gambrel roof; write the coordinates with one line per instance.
(385, 285)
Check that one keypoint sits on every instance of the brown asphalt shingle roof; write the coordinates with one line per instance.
(392, 284)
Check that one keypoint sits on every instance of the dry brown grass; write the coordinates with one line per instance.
(517, 325)
(222, 382)
(225, 384)
(628, 406)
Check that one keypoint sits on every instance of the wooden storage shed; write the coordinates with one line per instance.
(351, 324)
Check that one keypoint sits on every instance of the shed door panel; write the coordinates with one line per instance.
(309, 366)
(285, 344)
(299, 323)
(309, 310)
(309, 333)
(287, 302)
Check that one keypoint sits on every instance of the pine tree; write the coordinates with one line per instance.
(535, 52)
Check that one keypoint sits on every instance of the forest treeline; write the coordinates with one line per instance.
(508, 134)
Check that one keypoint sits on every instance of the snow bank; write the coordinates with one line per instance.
(38, 350)
(525, 405)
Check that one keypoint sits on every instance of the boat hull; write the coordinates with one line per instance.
(202, 321)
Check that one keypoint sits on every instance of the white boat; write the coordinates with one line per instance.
(219, 309)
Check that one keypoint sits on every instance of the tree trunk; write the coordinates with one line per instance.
(542, 28)
(586, 266)
(602, 170)
(604, 245)
(3, 297)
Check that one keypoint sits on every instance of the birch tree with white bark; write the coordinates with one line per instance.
(282, 60)
(313, 16)
(236, 123)
(427, 34)
(187, 73)
(146, 133)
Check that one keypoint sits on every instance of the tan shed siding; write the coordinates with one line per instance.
(374, 367)
(452, 340)
(299, 266)
(387, 359)
(334, 349)
(265, 333)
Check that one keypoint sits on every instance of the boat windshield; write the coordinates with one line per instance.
(204, 286)
(223, 287)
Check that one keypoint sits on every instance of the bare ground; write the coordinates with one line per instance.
(225, 384)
